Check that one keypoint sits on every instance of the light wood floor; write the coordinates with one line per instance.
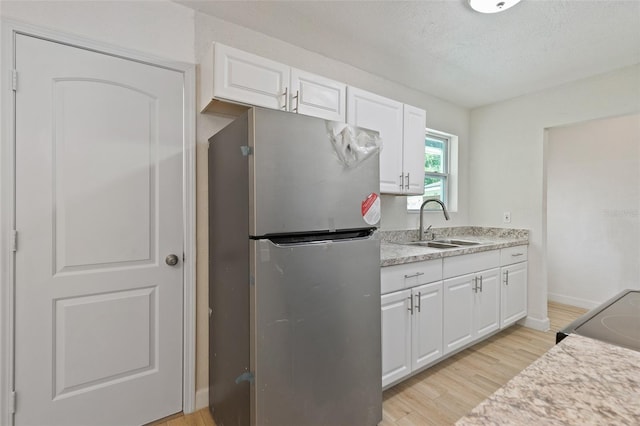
(446, 392)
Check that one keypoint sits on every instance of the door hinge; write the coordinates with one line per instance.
(14, 80)
(14, 240)
(12, 402)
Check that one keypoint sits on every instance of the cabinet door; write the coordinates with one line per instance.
(413, 149)
(513, 293)
(427, 324)
(317, 96)
(486, 303)
(375, 112)
(246, 78)
(396, 336)
(458, 312)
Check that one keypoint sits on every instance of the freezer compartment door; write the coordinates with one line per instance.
(299, 183)
(315, 327)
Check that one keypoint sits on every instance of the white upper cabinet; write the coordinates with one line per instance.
(246, 78)
(231, 80)
(374, 112)
(317, 96)
(231, 76)
(402, 129)
(415, 120)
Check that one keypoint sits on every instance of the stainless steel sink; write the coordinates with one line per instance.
(457, 242)
(433, 244)
(445, 243)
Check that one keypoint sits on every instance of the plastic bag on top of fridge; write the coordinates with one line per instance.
(353, 145)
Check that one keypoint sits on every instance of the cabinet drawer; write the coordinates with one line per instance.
(468, 263)
(511, 255)
(407, 275)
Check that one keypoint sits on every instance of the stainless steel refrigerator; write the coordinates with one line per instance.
(294, 275)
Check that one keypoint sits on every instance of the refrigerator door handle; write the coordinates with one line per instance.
(319, 237)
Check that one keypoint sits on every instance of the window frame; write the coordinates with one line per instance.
(445, 176)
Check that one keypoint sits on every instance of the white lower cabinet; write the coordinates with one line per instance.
(396, 336)
(434, 308)
(411, 330)
(458, 312)
(486, 303)
(513, 303)
(426, 343)
(471, 308)
(471, 300)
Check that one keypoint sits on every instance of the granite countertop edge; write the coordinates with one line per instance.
(394, 251)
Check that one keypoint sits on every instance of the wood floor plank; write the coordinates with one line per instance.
(444, 393)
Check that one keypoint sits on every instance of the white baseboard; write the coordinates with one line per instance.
(536, 323)
(573, 301)
(202, 398)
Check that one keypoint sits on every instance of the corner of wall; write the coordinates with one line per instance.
(536, 323)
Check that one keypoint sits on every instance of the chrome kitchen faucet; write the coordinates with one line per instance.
(444, 210)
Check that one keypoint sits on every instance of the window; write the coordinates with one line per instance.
(437, 148)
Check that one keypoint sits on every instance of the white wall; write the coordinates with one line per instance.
(507, 151)
(593, 229)
(441, 115)
(160, 28)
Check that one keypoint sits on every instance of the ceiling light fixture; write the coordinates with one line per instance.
(491, 6)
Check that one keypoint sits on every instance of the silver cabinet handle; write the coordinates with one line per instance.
(480, 283)
(475, 284)
(410, 309)
(506, 277)
(297, 98)
(517, 254)
(286, 98)
(419, 301)
(401, 181)
(417, 274)
(407, 187)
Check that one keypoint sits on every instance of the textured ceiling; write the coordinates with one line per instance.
(445, 49)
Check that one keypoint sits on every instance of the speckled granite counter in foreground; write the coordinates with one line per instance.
(392, 252)
(580, 381)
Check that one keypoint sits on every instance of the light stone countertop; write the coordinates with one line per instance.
(393, 252)
(580, 381)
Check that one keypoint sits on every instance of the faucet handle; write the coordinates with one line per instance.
(428, 235)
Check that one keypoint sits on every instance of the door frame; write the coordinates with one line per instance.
(9, 29)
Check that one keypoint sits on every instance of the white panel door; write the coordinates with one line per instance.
(250, 79)
(98, 208)
(427, 324)
(413, 149)
(486, 303)
(458, 312)
(317, 96)
(371, 111)
(513, 293)
(396, 336)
